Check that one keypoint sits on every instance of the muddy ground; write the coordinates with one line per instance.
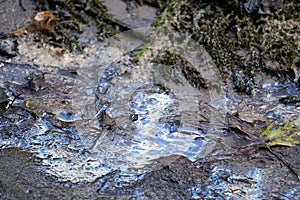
(240, 166)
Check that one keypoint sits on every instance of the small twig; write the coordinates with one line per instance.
(65, 22)
(11, 103)
(21, 5)
(283, 162)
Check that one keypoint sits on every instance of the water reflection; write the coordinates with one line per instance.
(123, 116)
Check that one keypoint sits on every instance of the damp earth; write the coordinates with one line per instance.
(148, 100)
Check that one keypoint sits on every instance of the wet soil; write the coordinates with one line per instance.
(46, 152)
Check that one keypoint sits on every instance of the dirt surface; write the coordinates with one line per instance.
(41, 78)
(15, 14)
(142, 16)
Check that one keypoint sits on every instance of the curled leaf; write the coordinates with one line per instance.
(41, 21)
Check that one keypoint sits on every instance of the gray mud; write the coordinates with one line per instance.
(108, 122)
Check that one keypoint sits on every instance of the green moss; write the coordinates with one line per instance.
(291, 10)
(239, 44)
(106, 24)
(171, 61)
(4, 99)
(243, 84)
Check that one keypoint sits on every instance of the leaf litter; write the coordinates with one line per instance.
(40, 22)
(273, 135)
(282, 136)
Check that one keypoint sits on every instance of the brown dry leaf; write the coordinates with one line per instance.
(41, 21)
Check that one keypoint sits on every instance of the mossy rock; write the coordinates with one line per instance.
(170, 61)
(241, 46)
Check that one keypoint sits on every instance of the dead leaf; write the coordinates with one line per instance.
(41, 21)
(281, 136)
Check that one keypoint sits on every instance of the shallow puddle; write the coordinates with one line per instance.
(111, 114)
(107, 114)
